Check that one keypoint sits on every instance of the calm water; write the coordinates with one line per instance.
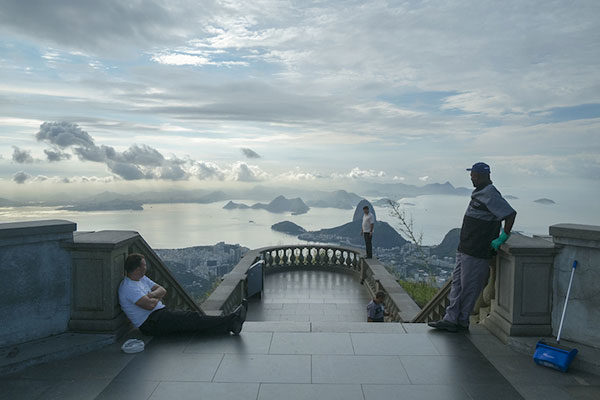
(183, 225)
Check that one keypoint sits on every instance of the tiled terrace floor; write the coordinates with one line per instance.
(306, 359)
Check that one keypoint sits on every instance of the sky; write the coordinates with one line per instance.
(131, 94)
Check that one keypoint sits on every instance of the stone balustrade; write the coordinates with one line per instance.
(313, 256)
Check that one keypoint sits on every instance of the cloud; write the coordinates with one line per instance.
(249, 153)
(207, 171)
(64, 134)
(243, 172)
(424, 178)
(128, 172)
(20, 177)
(56, 155)
(298, 175)
(357, 173)
(21, 156)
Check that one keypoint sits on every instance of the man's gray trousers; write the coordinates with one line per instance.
(468, 280)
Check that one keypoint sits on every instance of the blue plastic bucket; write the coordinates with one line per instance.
(553, 357)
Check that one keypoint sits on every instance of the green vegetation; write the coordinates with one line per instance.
(421, 292)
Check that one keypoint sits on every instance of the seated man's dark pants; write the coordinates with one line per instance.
(368, 244)
(165, 322)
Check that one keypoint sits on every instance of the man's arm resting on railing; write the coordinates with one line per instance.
(157, 292)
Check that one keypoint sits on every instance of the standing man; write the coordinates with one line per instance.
(140, 299)
(480, 237)
(368, 223)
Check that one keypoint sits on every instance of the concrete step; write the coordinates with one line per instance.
(20, 356)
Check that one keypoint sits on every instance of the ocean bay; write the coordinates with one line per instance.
(191, 224)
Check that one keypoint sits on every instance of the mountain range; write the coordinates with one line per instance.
(280, 204)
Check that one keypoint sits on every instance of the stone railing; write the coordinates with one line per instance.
(311, 256)
(233, 287)
(316, 257)
(435, 309)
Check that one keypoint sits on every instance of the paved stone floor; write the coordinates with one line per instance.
(301, 358)
(311, 296)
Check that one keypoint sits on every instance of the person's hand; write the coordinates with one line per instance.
(496, 243)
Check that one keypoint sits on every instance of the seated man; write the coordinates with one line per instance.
(140, 299)
(376, 309)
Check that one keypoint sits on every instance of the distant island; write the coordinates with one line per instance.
(234, 206)
(544, 201)
(349, 234)
(278, 205)
(112, 205)
(511, 197)
(288, 227)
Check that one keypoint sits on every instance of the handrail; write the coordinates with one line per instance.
(176, 297)
(435, 309)
(312, 256)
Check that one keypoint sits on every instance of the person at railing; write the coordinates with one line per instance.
(368, 222)
(375, 308)
(480, 237)
(140, 298)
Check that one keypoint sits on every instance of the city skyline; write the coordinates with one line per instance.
(175, 94)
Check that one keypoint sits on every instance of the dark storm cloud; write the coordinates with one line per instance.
(21, 156)
(21, 177)
(56, 155)
(64, 134)
(249, 153)
(143, 155)
(107, 26)
(128, 172)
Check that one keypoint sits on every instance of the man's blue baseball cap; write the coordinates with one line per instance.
(480, 168)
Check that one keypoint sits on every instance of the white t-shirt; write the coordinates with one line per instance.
(130, 292)
(367, 221)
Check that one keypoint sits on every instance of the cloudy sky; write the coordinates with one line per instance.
(312, 92)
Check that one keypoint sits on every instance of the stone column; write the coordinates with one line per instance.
(98, 259)
(36, 280)
(523, 302)
(582, 320)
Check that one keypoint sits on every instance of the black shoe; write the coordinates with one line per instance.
(236, 325)
(444, 325)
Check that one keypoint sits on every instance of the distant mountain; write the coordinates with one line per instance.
(358, 211)
(544, 201)
(109, 205)
(383, 234)
(448, 246)
(398, 190)
(9, 203)
(233, 206)
(288, 227)
(278, 205)
(338, 199)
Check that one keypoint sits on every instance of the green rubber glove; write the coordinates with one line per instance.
(496, 243)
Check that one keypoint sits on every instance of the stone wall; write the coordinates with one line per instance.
(36, 280)
(581, 243)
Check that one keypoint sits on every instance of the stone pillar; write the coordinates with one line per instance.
(36, 280)
(523, 302)
(98, 259)
(582, 320)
